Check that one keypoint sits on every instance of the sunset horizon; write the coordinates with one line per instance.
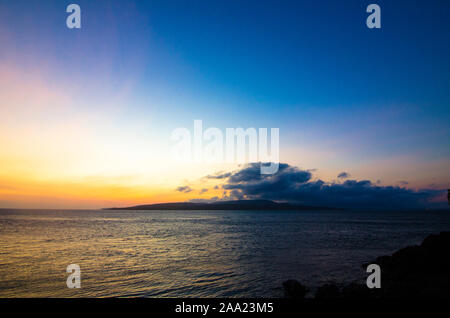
(88, 123)
(224, 156)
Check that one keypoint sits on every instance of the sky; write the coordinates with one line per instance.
(86, 115)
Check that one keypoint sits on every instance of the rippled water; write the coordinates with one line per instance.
(196, 253)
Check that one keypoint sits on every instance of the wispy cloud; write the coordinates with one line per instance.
(343, 175)
(184, 189)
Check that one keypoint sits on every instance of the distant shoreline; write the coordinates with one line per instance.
(187, 206)
(224, 205)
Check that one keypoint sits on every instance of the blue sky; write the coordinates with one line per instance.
(344, 96)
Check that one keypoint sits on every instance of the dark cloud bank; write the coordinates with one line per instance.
(294, 185)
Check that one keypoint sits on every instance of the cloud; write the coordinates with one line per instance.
(343, 175)
(203, 191)
(184, 189)
(219, 175)
(294, 185)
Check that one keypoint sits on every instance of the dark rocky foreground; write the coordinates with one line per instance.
(412, 272)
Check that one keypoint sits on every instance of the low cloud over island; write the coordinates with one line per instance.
(291, 184)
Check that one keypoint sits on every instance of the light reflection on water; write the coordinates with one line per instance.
(196, 253)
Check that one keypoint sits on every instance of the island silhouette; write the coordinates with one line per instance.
(224, 205)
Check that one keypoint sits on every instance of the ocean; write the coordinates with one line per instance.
(197, 253)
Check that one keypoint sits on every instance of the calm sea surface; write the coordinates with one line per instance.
(196, 253)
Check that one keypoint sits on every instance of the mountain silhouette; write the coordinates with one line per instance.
(223, 205)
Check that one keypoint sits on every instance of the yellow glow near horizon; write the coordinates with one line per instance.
(55, 154)
(58, 150)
